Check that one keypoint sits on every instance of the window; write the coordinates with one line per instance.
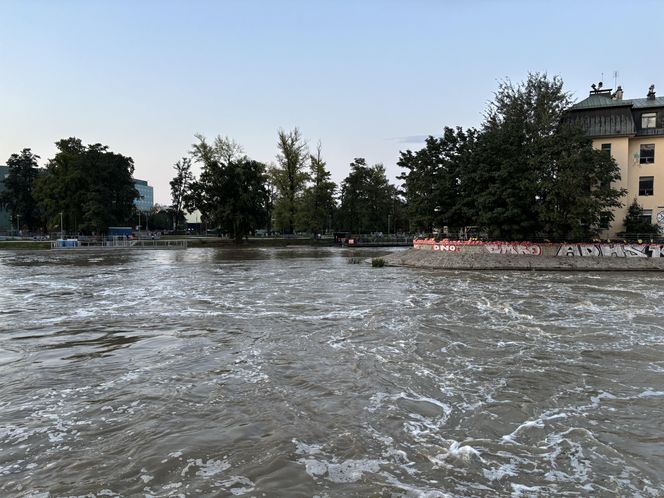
(606, 148)
(646, 216)
(649, 120)
(646, 185)
(647, 153)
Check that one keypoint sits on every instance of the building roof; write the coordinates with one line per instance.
(604, 100)
(641, 103)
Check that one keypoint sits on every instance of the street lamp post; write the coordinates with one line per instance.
(62, 230)
(18, 223)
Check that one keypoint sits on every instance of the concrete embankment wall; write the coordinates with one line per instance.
(575, 257)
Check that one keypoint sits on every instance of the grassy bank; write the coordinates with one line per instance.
(24, 244)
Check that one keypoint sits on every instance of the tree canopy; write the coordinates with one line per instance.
(17, 197)
(91, 186)
(527, 173)
(289, 178)
(318, 201)
(635, 223)
(231, 192)
(433, 180)
(367, 198)
(181, 189)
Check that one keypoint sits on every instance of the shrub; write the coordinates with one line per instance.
(377, 262)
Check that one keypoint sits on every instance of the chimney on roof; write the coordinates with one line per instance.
(651, 93)
(618, 94)
(598, 90)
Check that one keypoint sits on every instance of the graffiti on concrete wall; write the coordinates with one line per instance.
(544, 249)
(524, 249)
(612, 250)
(437, 246)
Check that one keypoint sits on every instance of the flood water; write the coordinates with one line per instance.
(289, 372)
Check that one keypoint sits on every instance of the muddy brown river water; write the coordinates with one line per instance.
(289, 372)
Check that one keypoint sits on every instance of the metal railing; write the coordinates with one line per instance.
(119, 244)
(649, 131)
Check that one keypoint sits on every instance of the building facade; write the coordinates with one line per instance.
(145, 200)
(632, 131)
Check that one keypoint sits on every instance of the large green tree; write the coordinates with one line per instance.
(18, 196)
(231, 192)
(433, 180)
(576, 196)
(526, 174)
(318, 199)
(367, 199)
(91, 186)
(289, 178)
(181, 195)
(512, 155)
(534, 175)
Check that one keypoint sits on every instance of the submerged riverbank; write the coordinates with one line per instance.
(482, 259)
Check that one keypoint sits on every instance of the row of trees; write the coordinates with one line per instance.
(238, 195)
(524, 173)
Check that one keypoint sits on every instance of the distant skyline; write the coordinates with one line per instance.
(366, 78)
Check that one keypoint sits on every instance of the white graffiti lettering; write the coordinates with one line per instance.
(612, 250)
(523, 249)
(569, 251)
(448, 248)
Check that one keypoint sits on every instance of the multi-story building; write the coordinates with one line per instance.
(145, 200)
(632, 131)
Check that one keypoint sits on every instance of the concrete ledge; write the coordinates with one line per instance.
(479, 261)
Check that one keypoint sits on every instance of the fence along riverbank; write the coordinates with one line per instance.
(118, 243)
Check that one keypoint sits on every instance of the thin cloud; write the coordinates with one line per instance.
(410, 139)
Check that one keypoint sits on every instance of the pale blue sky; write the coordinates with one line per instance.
(361, 76)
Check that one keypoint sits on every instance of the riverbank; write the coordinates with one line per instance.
(421, 258)
(24, 244)
(191, 242)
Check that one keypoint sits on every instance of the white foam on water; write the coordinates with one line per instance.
(457, 453)
(522, 491)
(306, 449)
(237, 485)
(497, 473)
(412, 491)
(342, 472)
(649, 393)
(145, 477)
(537, 423)
(596, 400)
(211, 467)
(463, 451)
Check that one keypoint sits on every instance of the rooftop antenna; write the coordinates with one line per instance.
(615, 79)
